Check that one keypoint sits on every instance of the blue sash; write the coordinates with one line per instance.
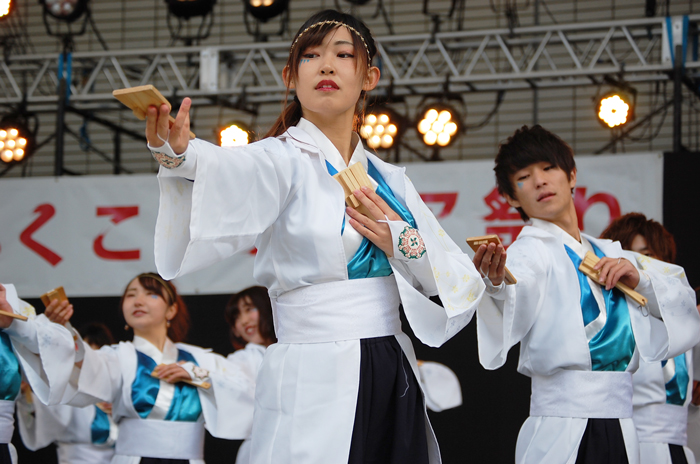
(185, 405)
(677, 387)
(10, 377)
(370, 260)
(613, 346)
(99, 429)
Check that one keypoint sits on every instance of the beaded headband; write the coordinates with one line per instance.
(160, 280)
(337, 23)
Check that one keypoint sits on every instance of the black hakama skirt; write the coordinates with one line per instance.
(602, 443)
(390, 416)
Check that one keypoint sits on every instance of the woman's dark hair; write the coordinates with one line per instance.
(660, 242)
(96, 333)
(291, 114)
(180, 324)
(261, 300)
(530, 145)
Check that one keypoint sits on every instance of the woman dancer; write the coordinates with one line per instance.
(249, 315)
(340, 386)
(161, 419)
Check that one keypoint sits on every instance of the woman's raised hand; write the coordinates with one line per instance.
(158, 129)
(376, 232)
(59, 312)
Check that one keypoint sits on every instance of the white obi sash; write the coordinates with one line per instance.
(83, 453)
(337, 311)
(161, 439)
(582, 394)
(662, 423)
(7, 421)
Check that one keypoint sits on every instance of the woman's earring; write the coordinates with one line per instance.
(126, 327)
(167, 323)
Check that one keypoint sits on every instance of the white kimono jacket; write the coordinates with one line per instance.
(70, 428)
(657, 422)
(107, 375)
(543, 312)
(278, 196)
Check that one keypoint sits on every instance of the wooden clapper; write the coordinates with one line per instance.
(353, 178)
(587, 264)
(138, 99)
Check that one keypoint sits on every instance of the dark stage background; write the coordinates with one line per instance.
(484, 429)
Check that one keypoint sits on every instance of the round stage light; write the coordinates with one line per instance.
(381, 128)
(187, 9)
(236, 134)
(65, 10)
(16, 141)
(265, 10)
(6, 6)
(615, 109)
(438, 125)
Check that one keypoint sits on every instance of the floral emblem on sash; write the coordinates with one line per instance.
(411, 243)
(168, 161)
(200, 373)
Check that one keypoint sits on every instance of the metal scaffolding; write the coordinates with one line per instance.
(560, 55)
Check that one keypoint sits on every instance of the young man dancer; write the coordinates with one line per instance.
(580, 340)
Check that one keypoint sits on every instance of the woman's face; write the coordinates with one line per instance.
(329, 79)
(145, 310)
(247, 322)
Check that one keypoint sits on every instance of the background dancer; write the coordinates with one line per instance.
(579, 340)
(662, 390)
(161, 419)
(340, 386)
(82, 435)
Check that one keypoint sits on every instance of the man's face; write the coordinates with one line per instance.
(542, 190)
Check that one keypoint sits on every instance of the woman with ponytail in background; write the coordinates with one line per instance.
(340, 385)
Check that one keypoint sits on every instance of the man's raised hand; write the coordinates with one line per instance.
(158, 129)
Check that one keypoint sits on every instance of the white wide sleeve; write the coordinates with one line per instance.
(444, 269)
(440, 385)
(40, 425)
(504, 318)
(46, 352)
(669, 296)
(237, 194)
(98, 380)
(228, 405)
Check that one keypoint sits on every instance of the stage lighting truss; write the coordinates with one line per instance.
(382, 128)
(183, 11)
(17, 140)
(439, 125)
(358, 2)
(616, 108)
(235, 134)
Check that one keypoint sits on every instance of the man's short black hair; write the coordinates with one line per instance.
(530, 145)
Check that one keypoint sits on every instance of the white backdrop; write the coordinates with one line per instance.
(93, 234)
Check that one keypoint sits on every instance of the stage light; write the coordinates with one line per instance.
(16, 140)
(65, 10)
(381, 127)
(265, 10)
(187, 9)
(615, 109)
(235, 134)
(438, 124)
(6, 6)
